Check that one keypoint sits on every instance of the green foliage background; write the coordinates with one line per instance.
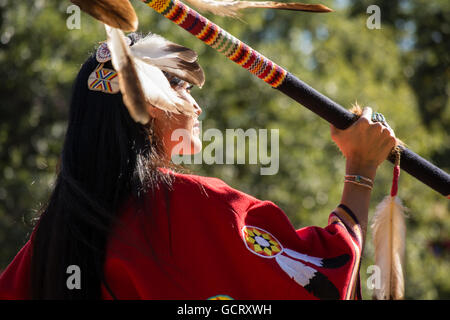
(401, 70)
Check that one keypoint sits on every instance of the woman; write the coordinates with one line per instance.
(122, 223)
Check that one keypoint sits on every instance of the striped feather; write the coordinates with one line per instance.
(335, 262)
(321, 287)
(297, 255)
(301, 273)
(312, 280)
(170, 57)
(133, 95)
(231, 8)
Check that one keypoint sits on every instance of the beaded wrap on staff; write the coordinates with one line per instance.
(220, 40)
(287, 83)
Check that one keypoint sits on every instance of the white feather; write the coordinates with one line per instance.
(294, 254)
(133, 95)
(389, 230)
(171, 57)
(117, 46)
(298, 271)
(221, 8)
(154, 46)
(145, 83)
(157, 89)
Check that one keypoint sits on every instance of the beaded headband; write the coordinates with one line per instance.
(103, 79)
(150, 71)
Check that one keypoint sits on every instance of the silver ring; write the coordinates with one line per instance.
(378, 117)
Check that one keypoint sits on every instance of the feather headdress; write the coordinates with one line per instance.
(141, 77)
(170, 57)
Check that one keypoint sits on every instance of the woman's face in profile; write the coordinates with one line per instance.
(180, 133)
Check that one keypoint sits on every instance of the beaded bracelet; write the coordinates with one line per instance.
(359, 180)
(359, 184)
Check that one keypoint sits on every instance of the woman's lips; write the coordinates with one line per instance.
(196, 127)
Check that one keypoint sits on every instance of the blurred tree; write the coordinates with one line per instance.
(422, 31)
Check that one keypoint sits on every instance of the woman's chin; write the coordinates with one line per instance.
(196, 145)
(192, 147)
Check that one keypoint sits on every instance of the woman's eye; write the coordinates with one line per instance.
(175, 82)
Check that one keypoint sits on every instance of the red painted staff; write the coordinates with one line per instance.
(120, 14)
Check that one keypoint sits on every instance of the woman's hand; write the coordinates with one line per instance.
(365, 144)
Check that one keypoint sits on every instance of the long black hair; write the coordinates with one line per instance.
(106, 159)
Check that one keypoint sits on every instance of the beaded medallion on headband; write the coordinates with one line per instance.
(103, 55)
(103, 79)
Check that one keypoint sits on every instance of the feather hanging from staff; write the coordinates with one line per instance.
(389, 231)
(232, 7)
(141, 79)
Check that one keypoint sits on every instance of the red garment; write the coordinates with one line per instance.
(206, 240)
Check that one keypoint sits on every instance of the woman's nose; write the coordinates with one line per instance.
(198, 111)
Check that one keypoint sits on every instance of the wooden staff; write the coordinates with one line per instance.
(268, 71)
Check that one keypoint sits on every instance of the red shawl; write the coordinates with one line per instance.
(206, 240)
